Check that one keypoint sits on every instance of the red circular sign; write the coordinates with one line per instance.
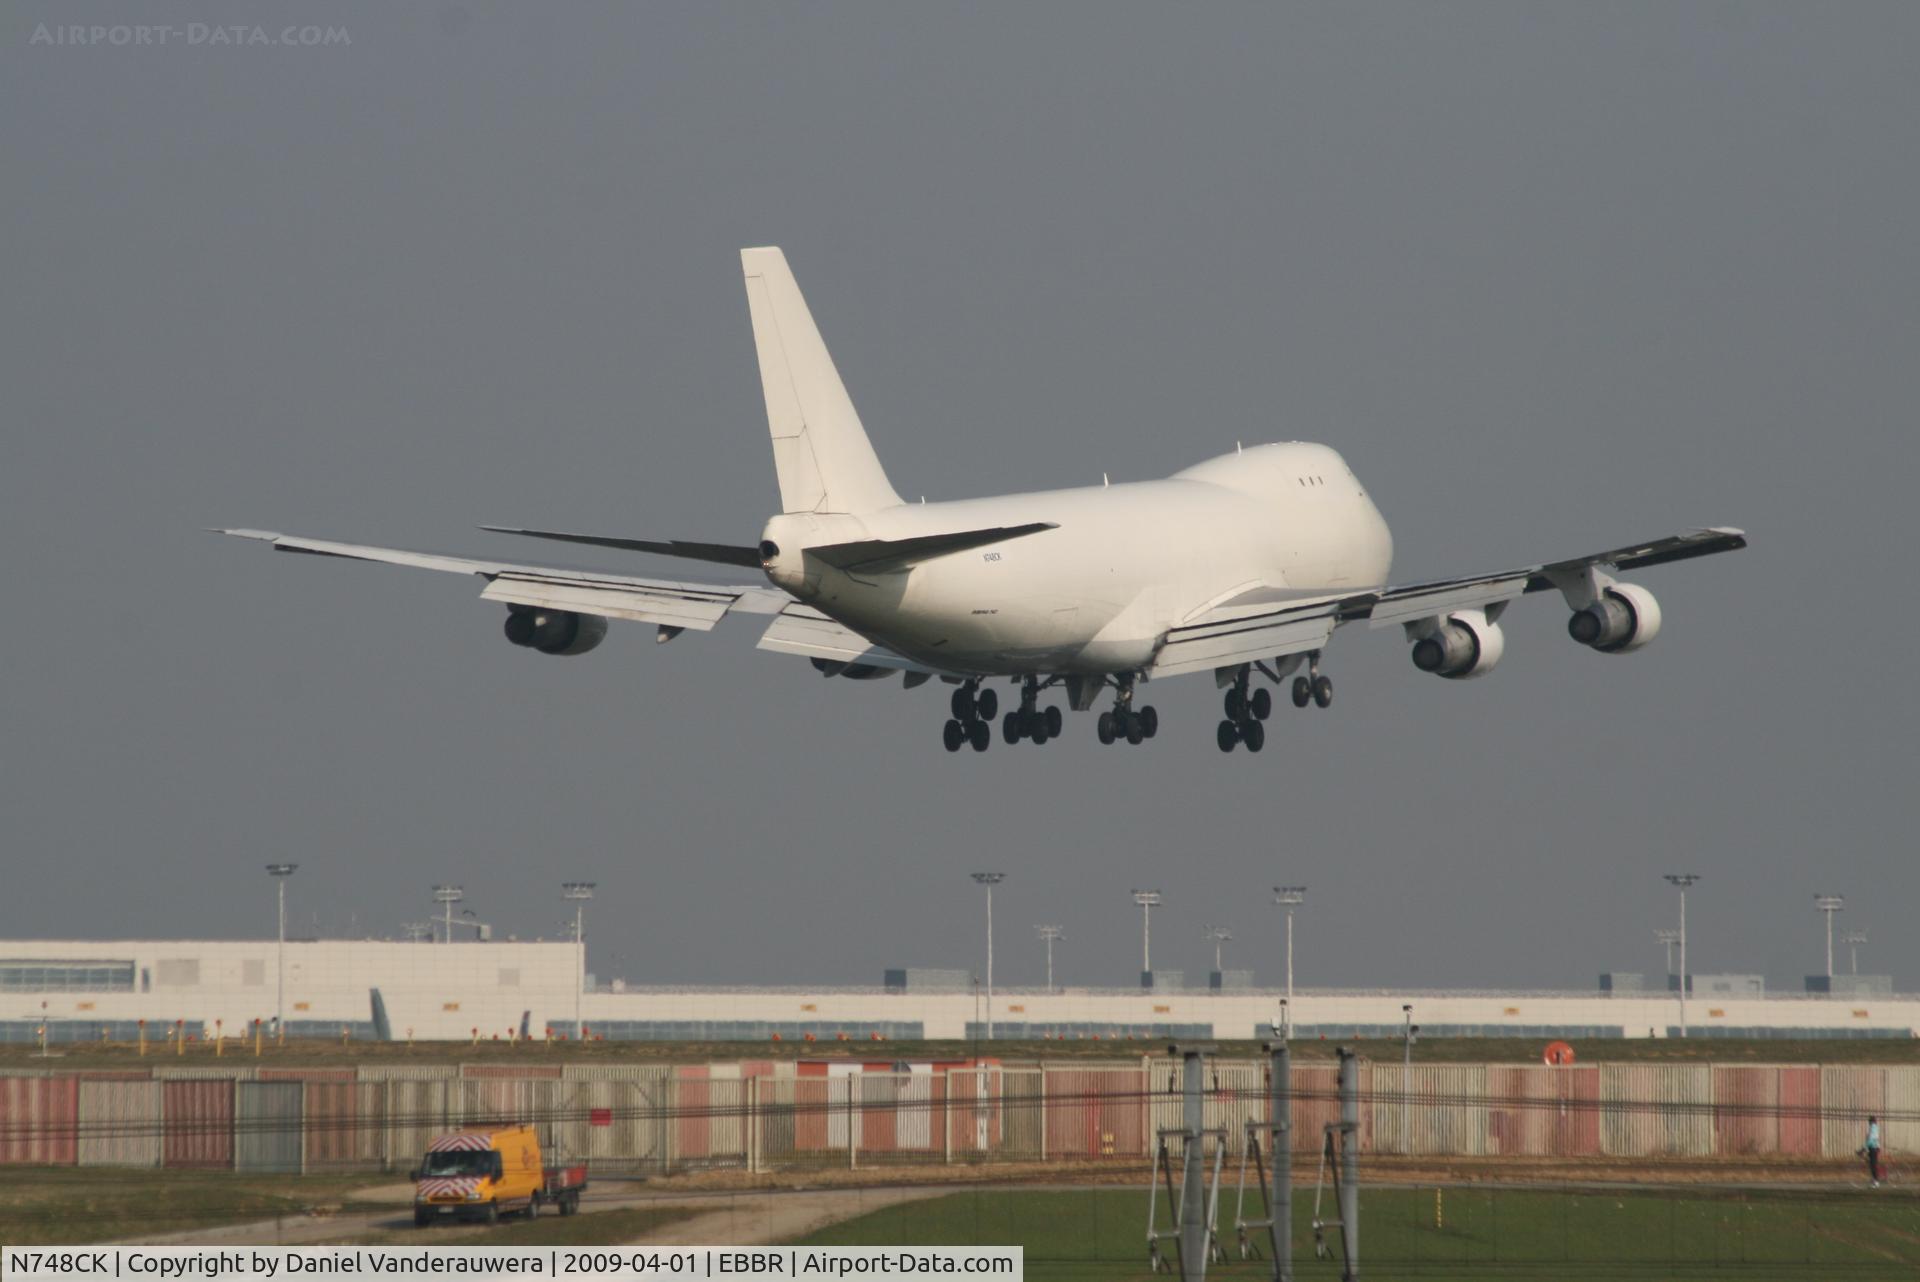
(1558, 1053)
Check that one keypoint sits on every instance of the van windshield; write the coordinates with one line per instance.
(458, 1162)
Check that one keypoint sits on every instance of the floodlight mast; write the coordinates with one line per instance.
(447, 897)
(579, 892)
(1853, 939)
(1669, 937)
(1682, 880)
(1828, 906)
(280, 873)
(989, 880)
(1218, 936)
(1289, 898)
(1148, 901)
(1049, 933)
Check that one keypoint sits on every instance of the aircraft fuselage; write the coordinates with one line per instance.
(1126, 562)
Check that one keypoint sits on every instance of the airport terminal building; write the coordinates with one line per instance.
(83, 990)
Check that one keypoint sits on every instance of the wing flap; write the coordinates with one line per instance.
(1238, 637)
(803, 630)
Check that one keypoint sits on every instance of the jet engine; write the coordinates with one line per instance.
(1624, 617)
(1464, 644)
(554, 631)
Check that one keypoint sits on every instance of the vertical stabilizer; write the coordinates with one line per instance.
(820, 452)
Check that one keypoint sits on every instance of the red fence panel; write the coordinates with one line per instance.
(1746, 1118)
(39, 1121)
(198, 1123)
(1800, 1112)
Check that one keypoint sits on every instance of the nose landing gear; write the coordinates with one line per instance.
(1312, 687)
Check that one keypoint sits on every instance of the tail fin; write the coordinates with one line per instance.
(820, 451)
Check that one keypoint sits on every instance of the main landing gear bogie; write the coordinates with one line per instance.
(1317, 690)
(975, 710)
(1126, 722)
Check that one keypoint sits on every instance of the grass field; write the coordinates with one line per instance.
(69, 1205)
(75, 1056)
(1597, 1236)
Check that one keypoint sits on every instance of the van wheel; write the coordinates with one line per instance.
(533, 1207)
(422, 1218)
(570, 1204)
(493, 1213)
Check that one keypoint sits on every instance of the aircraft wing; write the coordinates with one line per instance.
(1392, 605)
(664, 602)
(1245, 630)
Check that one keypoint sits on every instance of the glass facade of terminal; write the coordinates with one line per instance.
(27, 975)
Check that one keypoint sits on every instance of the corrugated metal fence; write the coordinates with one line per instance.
(767, 1114)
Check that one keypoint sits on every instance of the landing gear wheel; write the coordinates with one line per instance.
(962, 704)
(1236, 705)
(1323, 690)
(1136, 732)
(988, 705)
(1149, 721)
(1302, 692)
(1226, 736)
(1010, 727)
(1105, 727)
(1055, 722)
(1254, 734)
(1039, 734)
(1262, 703)
(980, 734)
(952, 735)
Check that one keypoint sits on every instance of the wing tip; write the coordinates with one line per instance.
(264, 536)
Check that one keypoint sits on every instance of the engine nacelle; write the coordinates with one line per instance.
(554, 631)
(1624, 618)
(1465, 644)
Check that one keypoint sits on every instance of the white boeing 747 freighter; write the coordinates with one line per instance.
(1242, 566)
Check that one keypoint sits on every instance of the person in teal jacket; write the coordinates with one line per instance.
(1872, 1150)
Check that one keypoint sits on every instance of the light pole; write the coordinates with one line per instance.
(280, 873)
(579, 892)
(1853, 939)
(1049, 933)
(1828, 906)
(1289, 898)
(1682, 880)
(1406, 1080)
(1148, 901)
(1669, 937)
(447, 897)
(1219, 935)
(989, 880)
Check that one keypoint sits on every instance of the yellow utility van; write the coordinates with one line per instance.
(484, 1171)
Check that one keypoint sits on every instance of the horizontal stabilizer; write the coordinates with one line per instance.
(724, 553)
(880, 555)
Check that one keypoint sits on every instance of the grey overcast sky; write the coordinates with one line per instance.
(1551, 276)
